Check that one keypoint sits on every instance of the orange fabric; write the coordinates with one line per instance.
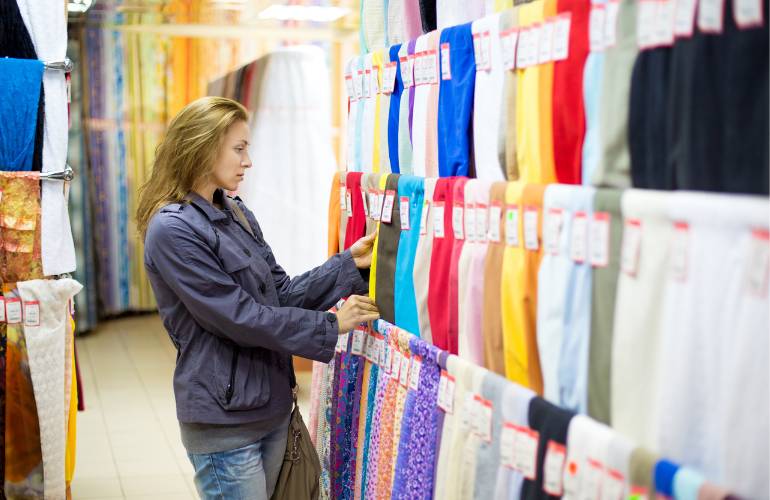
(546, 108)
(533, 196)
(491, 322)
(334, 216)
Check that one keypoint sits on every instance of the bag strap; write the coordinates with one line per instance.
(241, 216)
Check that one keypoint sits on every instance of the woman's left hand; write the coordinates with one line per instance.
(362, 251)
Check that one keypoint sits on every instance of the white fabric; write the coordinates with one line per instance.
(282, 188)
(464, 279)
(488, 105)
(515, 410)
(396, 22)
(46, 349)
(467, 461)
(587, 440)
(619, 459)
(46, 22)
(421, 271)
(369, 119)
(420, 117)
(352, 162)
(374, 23)
(453, 12)
(714, 412)
(638, 307)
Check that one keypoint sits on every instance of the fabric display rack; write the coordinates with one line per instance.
(572, 257)
(38, 376)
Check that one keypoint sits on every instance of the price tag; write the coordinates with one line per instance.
(748, 13)
(684, 18)
(552, 232)
(387, 356)
(457, 221)
(645, 23)
(533, 48)
(482, 216)
(349, 87)
(600, 239)
(446, 392)
(414, 373)
(611, 10)
(553, 469)
(446, 67)
(395, 363)
(679, 251)
(596, 28)
(512, 226)
(758, 271)
(711, 15)
(421, 68)
(530, 229)
(376, 203)
(369, 348)
(664, 27)
(482, 51)
(508, 42)
(524, 46)
(359, 336)
(526, 452)
(406, 71)
(470, 222)
(495, 212)
(632, 242)
(561, 37)
(424, 217)
(404, 213)
(483, 418)
(358, 83)
(368, 83)
(2, 309)
(389, 77)
(545, 46)
(342, 342)
(579, 241)
(438, 219)
(387, 206)
(349, 203)
(614, 486)
(404, 375)
(343, 199)
(380, 351)
(592, 479)
(508, 436)
(366, 205)
(431, 67)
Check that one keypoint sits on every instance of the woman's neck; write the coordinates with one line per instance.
(206, 192)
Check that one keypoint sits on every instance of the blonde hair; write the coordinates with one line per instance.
(186, 154)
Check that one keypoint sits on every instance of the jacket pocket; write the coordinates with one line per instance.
(242, 380)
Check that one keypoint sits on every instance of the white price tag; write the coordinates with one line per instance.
(446, 392)
(404, 375)
(748, 13)
(533, 48)
(646, 11)
(545, 46)
(395, 363)
(376, 203)
(358, 84)
(349, 87)
(530, 229)
(446, 66)
(369, 348)
(758, 269)
(482, 216)
(406, 71)
(389, 77)
(614, 486)
(342, 342)
(495, 212)
(611, 10)
(366, 205)
(684, 18)
(349, 203)
(524, 46)
(343, 199)
(679, 251)
(579, 240)
(424, 217)
(2, 309)
(483, 420)
(600, 240)
(561, 37)
(552, 230)
(457, 221)
(431, 67)
(379, 350)
(664, 27)
(592, 479)
(403, 209)
(359, 337)
(553, 468)
(632, 243)
(508, 436)
(368, 83)
(711, 15)
(508, 42)
(470, 222)
(387, 206)
(482, 51)
(414, 373)
(527, 441)
(596, 28)
(512, 226)
(387, 357)
(438, 219)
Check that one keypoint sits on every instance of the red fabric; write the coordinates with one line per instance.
(356, 227)
(569, 121)
(458, 197)
(441, 256)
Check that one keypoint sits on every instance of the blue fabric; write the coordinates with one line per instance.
(665, 472)
(374, 376)
(416, 347)
(455, 103)
(403, 293)
(20, 91)
(573, 360)
(592, 95)
(687, 484)
(395, 111)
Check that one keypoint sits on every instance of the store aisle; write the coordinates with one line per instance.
(128, 437)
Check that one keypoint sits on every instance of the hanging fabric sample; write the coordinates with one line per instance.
(382, 103)
(440, 261)
(356, 226)
(592, 86)
(457, 217)
(20, 91)
(406, 73)
(547, 27)
(509, 20)
(394, 111)
(373, 23)
(491, 321)
(387, 249)
(422, 259)
(455, 12)
(20, 230)
(369, 116)
(420, 111)
(431, 126)
(355, 92)
(412, 19)
(411, 198)
(290, 111)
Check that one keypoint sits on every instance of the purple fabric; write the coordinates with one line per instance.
(350, 426)
(438, 412)
(410, 50)
(338, 424)
(373, 459)
(399, 480)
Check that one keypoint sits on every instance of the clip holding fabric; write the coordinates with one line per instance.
(66, 65)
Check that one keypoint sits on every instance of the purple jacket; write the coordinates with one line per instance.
(234, 315)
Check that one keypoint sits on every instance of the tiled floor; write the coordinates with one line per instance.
(128, 437)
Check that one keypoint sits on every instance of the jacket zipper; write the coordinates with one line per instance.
(231, 385)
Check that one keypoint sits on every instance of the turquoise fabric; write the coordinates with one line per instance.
(403, 294)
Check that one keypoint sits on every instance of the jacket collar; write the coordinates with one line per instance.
(212, 212)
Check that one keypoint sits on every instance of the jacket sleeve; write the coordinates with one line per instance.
(319, 288)
(188, 265)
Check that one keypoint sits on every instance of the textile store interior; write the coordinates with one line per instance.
(569, 203)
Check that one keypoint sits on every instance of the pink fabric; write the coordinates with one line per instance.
(315, 389)
(412, 19)
(458, 197)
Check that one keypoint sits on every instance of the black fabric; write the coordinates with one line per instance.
(428, 15)
(387, 252)
(16, 42)
(552, 423)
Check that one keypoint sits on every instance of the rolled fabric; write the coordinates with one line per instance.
(353, 154)
(455, 12)
(356, 225)
(487, 102)
(422, 262)
(463, 277)
(509, 19)
(440, 262)
(319, 372)
(587, 446)
(380, 159)
(379, 180)
(456, 101)
(21, 100)
(387, 250)
(394, 112)
(404, 291)
(363, 412)
(401, 396)
(491, 320)
(665, 471)
(405, 118)
(420, 116)
(431, 125)
(333, 240)
(458, 227)
(641, 472)
(592, 87)
(467, 462)
(545, 95)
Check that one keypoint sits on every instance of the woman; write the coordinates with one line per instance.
(233, 314)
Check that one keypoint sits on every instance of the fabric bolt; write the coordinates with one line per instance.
(352, 410)
(356, 224)
(21, 91)
(423, 262)
(373, 23)
(491, 320)
(420, 116)
(568, 108)
(614, 166)
(431, 125)
(369, 429)
(552, 423)
(587, 440)
(359, 395)
(319, 373)
(371, 183)
(712, 294)
(637, 326)
(471, 274)
(665, 472)
(358, 143)
(3, 356)
(361, 437)
(47, 24)
(405, 118)
(387, 250)
(384, 475)
(395, 22)
(442, 358)
(405, 288)
(452, 327)
(412, 20)
(394, 111)
(487, 104)
(369, 117)
(509, 19)
(398, 419)
(334, 448)
(455, 12)
(455, 101)
(618, 460)
(428, 15)
(507, 484)
(575, 345)
(402, 452)
(472, 442)
(641, 470)
(381, 104)
(592, 86)
(333, 237)
(338, 445)
(371, 453)
(533, 197)
(545, 95)
(604, 283)
(493, 388)
(423, 438)
(353, 160)
(343, 224)
(379, 181)
(324, 430)
(687, 482)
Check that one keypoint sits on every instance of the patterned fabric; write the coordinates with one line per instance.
(319, 372)
(3, 341)
(372, 453)
(350, 424)
(374, 380)
(323, 436)
(20, 227)
(387, 420)
(338, 383)
(360, 438)
(401, 394)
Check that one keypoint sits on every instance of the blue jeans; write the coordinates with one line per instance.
(248, 473)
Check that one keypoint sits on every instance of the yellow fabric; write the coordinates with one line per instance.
(501, 5)
(70, 452)
(548, 170)
(373, 269)
(377, 65)
(511, 288)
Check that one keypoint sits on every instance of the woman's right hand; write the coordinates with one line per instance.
(357, 309)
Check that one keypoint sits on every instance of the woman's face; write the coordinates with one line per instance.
(233, 159)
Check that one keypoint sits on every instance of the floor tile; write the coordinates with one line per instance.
(154, 485)
(88, 488)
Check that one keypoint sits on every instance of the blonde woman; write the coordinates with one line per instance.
(233, 314)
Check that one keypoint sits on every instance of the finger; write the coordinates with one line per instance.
(368, 317)
(369, 308)
(364, 299)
